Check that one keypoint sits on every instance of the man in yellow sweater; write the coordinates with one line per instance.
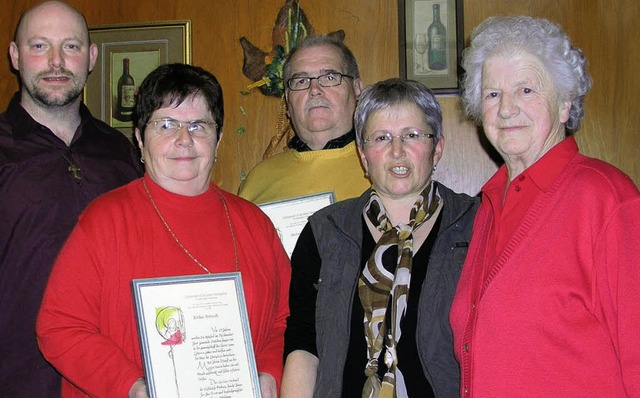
(322, 84)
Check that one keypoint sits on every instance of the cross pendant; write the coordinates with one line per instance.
(75, 170)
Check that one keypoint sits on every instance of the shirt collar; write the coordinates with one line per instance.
(339, 142)
(543, 171)
(22, 123)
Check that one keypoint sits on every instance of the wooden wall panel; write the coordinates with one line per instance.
(605, 30)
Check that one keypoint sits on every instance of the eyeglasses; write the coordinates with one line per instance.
(381, 139)
(197, 128)
(327, 80)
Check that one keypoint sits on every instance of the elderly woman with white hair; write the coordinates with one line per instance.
(547, 303)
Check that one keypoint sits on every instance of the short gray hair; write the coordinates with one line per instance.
(396, 91)
(539, 37)
(348, 59)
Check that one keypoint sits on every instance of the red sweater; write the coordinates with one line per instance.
(556, 311)
(86, 327)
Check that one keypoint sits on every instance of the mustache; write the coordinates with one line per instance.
(316, 102)
(56, 72)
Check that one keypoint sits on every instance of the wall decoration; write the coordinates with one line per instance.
(431, 42)
(265, 68)
(127, 53)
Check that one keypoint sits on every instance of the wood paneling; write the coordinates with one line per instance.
(605, 30)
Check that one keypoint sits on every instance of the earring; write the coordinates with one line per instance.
(215, 159)
(366, 174)
(142, 159)
(435, 167)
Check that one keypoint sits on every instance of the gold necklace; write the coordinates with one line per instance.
(226, 211)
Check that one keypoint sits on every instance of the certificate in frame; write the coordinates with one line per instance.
(194, 336)
(289, 216)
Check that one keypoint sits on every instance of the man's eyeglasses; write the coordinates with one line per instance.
(197, 128)
(327, 80)
(381, 139)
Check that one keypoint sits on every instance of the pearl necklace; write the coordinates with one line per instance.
(226, 211)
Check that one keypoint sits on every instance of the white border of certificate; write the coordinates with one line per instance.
(289, 216)
(195, 337)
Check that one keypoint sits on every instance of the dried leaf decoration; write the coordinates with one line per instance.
(265, 68)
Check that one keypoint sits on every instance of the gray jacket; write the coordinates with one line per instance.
(338, 233)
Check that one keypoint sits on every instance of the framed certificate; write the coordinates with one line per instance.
(289, 216)
(195, 338)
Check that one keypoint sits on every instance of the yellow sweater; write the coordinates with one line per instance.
(292, 173)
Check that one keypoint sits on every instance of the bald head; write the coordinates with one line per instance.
(46, 10)
(53, 55)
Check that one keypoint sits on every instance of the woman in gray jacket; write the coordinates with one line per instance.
(373, 277)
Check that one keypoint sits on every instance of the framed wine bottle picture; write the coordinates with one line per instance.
(127, 53)
(431, 41)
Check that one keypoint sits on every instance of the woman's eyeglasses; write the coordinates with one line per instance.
(197, 128)
(381, 139)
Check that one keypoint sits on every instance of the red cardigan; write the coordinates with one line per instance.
(556, 313)
(86, 327)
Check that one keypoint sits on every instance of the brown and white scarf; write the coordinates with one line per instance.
(379, 290)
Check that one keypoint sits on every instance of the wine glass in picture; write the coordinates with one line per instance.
(421, 47)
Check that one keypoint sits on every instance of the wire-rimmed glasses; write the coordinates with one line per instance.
(381, 139)
(197, 128)
(331, 79)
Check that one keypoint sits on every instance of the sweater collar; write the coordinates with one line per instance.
(339, 142)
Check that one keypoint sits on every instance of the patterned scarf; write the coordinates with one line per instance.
(379, 289)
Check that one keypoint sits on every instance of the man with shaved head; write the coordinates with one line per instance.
(54, 158)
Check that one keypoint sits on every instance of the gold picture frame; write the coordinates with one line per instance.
(145, 46)
(416, 19)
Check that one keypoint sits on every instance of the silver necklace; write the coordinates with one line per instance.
(226, 211)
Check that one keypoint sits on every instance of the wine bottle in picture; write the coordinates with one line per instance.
(126, 94)
(437, 53)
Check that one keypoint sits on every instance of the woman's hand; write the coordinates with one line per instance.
(139, 390)
(268, 385)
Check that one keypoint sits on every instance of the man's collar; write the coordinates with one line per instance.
(22, 123)
(340, 142)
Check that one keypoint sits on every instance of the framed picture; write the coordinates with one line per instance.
(431, 42)
(127, 53)
(195, 338)
(289, 216)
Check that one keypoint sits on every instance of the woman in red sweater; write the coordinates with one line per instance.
(174, 221)
(547, 304)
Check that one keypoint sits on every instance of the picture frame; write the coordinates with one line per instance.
(289, 216)
(428, 53)
(194, 336)
(143, 46)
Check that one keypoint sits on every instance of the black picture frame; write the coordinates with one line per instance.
(414, 18)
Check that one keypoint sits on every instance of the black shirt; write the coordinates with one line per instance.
(303, 335)
(41, 199)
